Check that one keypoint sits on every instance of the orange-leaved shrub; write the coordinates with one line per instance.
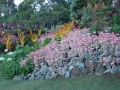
(64, 30)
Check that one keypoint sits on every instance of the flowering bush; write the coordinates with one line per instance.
(77, 46)
(76, 49)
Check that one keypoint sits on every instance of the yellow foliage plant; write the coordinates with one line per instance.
(8, 42)
(33, 36)
(39, 32)
(21, 36)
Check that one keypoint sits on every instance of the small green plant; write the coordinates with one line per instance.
(28, 68)
(33, 45)
(45, 42)
(21, 52)
(116, 28)
(36, 46)
(18, 47)
(92, 30)
(115, 20)
(58, 38)
(27, 50)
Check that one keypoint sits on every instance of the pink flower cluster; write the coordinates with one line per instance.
(50, 54)
(77, 42)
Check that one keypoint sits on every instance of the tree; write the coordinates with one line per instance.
(7, 10)
(49, 14)
(25, 10)
(10, 6)
(37, 12)
(76, 8)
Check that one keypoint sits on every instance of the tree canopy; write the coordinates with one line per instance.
(36, 13)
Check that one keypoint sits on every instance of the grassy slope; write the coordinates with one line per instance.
(76, 83)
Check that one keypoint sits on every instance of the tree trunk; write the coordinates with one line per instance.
(10, 5)
(10, 9)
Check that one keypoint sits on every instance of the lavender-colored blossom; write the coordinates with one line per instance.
(76, 44)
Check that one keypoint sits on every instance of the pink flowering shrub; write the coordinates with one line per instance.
(104, 49)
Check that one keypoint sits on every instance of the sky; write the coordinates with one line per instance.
(17, 2)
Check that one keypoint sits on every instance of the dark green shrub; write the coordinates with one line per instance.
(116, 28)
(115, 20)
(27, 50)
(91, 13)
(36, 46)
(2, 47)
(93, 31)
(30, 44)
(85, 18)
(76, 8)
(18, 47)
(28, 68)
(11, 67)
(13, 46)
(21, 52)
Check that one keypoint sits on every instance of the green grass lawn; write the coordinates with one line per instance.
(76, 83)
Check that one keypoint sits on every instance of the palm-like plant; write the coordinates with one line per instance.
(8, 42)
(33, 36)
(21, 36)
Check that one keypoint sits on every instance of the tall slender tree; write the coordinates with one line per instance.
(10, 6)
